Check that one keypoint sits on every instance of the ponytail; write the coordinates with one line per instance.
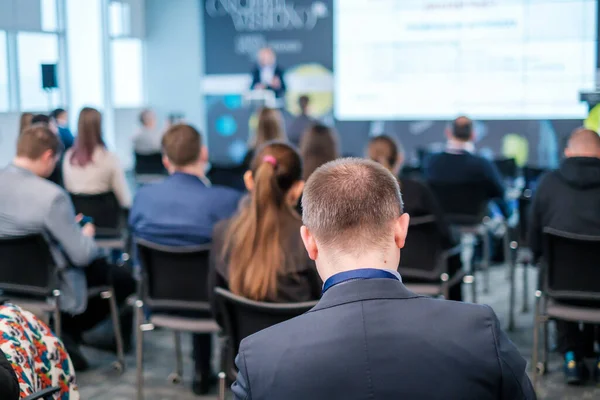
(253, 240)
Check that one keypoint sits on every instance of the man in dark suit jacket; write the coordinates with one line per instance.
(267, 74)
(568, 199)
(459, 165)
(370, 337)
(182, 210)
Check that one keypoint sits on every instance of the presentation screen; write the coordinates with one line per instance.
(489, 59)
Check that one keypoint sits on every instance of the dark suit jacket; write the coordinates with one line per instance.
(464, 167)
(278, 73)
(374, 339)
(9, 384)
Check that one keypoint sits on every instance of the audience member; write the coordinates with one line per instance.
(37, 356)
(60, 118)
(182, 210)
(267, 74)
(25, 121)
(258, 253)
(567, 199)
(301, 123)
(56, 175)
(148, 140)
(270, 127)
(459, 164)
(368, 329)
(9, 384)
(89, 168)
(418, 198)
(33, 205)
(319, 145)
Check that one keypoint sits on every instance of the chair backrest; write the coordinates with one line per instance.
(572, 265)
(421, 255)
(507, 167)
(27, 266)
(174, 278)
(104, 208)
(150, 164)
(243, 317)
(462, 203)
(531, 175)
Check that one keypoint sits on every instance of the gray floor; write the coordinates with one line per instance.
(103, 383)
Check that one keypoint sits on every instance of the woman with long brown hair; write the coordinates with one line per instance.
(88, 167)
(318, 146)
(259, 253)
(269, 127)
(418, 198)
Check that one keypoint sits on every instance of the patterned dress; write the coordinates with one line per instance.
(38, 357)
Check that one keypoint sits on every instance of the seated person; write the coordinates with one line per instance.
(56, 175)
(418, 199)
(9, 383)
(301, 123)
(39, 353)
(369, 336)
(319, 145)
(148, 140)
(459, 165)
(258, 253)
(88, 167)
(568, 199)
(60, 118)
(270, 127)
(32, 205)
(182, 210)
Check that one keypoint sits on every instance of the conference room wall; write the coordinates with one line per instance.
(126, 125)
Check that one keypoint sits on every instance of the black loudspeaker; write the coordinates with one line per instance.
(49, 76)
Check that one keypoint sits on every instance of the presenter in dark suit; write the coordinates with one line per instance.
(267, 74)
(369, 337)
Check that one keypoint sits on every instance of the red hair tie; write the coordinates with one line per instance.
(271, 160)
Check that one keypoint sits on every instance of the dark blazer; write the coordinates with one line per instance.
(374, 339)
(278, 73)
(567, 199)
(9, 384)
(300, 282)
(463, 167)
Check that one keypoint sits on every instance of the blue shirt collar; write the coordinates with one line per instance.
(363, 273)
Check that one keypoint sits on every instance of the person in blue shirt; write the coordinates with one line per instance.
(60, 118)
(182, 211)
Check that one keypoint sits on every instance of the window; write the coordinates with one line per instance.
(3, 73)
(33, 50)
(119, 19)
(49, 15)
(127, 73)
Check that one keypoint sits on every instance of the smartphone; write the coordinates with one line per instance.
(86, 220)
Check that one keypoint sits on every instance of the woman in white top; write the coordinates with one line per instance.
(88, 167)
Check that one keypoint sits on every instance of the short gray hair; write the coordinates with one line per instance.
(350, 203)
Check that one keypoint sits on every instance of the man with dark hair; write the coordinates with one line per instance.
(182, 211)
(301, 123)
(32, 205)
(148, 140)
(568, 199)
(369, 337)
(460, 165)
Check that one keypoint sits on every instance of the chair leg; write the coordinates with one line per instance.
(485, 262)
(114, 313)
(139, 348)
(525, 308)
(536, 334)
(222, 385)
(510, 251)
(176, 377)
(57, 323)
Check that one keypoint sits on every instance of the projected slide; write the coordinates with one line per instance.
(490, 59)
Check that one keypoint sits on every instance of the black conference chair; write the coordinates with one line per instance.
(109, 218)
(242, 317)
(29, 278)
(424, 263)
(466, 206)
(570, 271)
(28, 275)
(174, 281)
(46, 394)
(507, 168)
(149, 168)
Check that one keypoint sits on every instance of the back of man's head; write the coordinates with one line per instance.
(350, 205)
(40, 118)
(37, 140)
(583, 143)
(462, 129)
(182, 145)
